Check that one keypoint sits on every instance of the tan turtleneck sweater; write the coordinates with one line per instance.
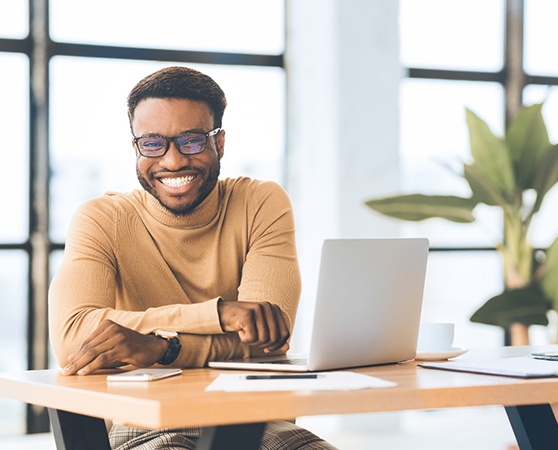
(130, 260)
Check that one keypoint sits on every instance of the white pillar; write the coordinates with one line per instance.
(343, 144)
(343, 91)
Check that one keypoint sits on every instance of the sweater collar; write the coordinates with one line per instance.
(201, 216)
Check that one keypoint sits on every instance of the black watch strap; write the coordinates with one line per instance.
(172, 352)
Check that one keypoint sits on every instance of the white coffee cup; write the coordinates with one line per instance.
(435, 337)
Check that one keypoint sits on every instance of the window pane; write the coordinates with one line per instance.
(453, 293)
(434, 135)
(541, 34)
(88, 98)
(452, 34)
(13, 352)
(55, 261)
(244, 26)
(14, 125)
(14, 21)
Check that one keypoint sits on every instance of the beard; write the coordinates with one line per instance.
(204, 190)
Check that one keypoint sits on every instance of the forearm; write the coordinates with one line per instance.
(75, 311)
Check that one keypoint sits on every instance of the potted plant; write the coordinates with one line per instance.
(502, 173)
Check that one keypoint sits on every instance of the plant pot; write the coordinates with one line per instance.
(519, 334)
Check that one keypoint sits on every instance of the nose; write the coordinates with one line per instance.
(173, 159)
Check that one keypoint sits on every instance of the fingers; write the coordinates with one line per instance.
(111, 345)
(259, 324)
(278, 333)
(94, 353)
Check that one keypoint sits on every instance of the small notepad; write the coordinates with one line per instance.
(521, 366)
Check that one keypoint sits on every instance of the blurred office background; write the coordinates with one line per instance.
(337, 100)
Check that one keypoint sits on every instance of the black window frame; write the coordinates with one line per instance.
(512, 77)
(40, 49)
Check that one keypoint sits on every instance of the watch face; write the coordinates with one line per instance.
(165, 334)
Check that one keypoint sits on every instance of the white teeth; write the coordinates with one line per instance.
(177, 182)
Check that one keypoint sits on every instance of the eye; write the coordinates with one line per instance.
(191, 140)
(152, 144)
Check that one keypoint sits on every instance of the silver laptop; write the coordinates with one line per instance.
(368, 307)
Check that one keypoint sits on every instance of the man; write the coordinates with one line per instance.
(189, 269)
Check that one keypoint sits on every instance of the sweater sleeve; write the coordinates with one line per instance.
(83, 293)
(271, 272)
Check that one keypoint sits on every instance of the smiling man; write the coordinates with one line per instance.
(189, 269)
(177, 187)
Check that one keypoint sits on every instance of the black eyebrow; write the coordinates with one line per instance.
(197, 130)
(151, 135)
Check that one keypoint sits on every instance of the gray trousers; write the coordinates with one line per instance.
(277, 436)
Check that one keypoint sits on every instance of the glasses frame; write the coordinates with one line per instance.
(175, 140)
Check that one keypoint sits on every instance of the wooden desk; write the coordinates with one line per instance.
(74, 402)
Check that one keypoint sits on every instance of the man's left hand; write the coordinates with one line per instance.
(258, 324)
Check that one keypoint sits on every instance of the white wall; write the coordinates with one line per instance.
(343, 143)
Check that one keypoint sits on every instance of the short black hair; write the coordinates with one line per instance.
(182, 83)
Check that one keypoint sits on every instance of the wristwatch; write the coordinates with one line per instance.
(174, 346)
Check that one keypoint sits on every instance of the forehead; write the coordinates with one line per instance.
(171, 116)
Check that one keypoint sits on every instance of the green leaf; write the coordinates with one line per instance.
(416, 207)
(491, 154)
(527, 139)
(527, 305)
(549, 279)
(484, 191)
(546, 175)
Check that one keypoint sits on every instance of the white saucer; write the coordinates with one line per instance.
(440, 356)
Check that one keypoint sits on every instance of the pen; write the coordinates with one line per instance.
(280, 377)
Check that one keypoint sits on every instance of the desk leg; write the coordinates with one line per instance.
(534, 426)
(225, 437)
(76, 432)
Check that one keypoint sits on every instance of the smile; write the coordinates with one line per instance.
(177, 182)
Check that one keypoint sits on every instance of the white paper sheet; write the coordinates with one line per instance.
(324, 381)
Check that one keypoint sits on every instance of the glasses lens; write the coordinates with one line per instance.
(152, 146)
(190, 143)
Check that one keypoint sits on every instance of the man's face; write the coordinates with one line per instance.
(180, 182)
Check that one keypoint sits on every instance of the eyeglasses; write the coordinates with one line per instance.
(188, 143)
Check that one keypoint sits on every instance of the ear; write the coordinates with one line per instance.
(220, 143)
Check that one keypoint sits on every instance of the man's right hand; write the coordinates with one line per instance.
(112, 345)
(259, 324)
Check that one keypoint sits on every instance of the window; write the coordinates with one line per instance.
(540, 30)
(244, 26)
(14, 122)
(98, 88)
(458, 58)
(14, 126)
(452, 35)
(13, 339)
(14, 19)
(78, 84)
